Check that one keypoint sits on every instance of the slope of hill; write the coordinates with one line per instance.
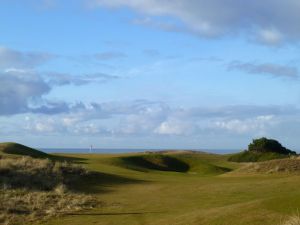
(21, 150)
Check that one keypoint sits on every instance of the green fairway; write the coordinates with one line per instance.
(145, 189)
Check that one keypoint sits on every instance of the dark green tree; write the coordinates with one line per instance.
(268, 145)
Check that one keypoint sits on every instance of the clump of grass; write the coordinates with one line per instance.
(22, 205)
(293, 220)
(38, 174)
(36, 189)
(289, 166)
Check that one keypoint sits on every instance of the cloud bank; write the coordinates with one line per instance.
(270, 22)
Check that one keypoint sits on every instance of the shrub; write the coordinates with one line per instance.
(268, 145)
(262, 149)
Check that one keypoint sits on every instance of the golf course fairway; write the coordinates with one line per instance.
(181, 188)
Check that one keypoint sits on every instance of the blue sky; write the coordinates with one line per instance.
(149, 74)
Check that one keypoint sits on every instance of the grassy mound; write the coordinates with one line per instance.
(18, 149)
(273, 166)
(205, 164)
(248, 156)
(181, 161)
(153, 162)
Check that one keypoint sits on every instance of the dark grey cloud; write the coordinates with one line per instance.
(18, 89)
(24, 91)
(265, 68)
(270, 22)
(10, 58)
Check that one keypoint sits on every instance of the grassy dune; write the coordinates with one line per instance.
(10, 148)
(137, 192)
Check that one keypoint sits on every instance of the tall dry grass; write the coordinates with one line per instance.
(293, 220)
(36, 189)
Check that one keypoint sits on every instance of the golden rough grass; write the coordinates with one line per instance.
(293, 220)
(291, 165)
(37, 189)
(18, 206)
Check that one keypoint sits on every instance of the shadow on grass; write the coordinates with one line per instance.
(70, 159)
(154, 162)
(97, 182)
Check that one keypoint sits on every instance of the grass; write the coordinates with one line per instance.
(37, 189)
(158, 162)
(206, 193)
(20, 206)
(289, 166)
(293, 220)
(170, 188)
(18, 149)
(38, 174)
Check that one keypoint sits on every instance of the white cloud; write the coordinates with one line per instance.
(173, 127)
(270, 36)
(257, 125)
(144, 118)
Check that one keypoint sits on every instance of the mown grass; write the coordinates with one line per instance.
(207, 193)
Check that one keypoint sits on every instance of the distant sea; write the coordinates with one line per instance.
(127, 150)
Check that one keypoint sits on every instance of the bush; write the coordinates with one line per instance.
(262, 149)
(268, 145)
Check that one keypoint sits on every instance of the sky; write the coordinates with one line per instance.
(190, 74)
